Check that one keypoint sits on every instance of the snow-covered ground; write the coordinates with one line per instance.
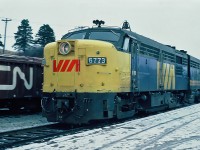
(177, 129)
(21, 121)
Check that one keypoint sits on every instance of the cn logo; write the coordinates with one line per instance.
(16, 70)
(66, 65)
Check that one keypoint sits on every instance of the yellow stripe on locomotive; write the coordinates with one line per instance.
(165, 76)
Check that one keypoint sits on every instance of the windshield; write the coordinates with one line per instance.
(105, 36)
(80, 35)
(110, 35)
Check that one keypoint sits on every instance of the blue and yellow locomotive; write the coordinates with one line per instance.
(109, 72)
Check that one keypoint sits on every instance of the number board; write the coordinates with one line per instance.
(97, 60)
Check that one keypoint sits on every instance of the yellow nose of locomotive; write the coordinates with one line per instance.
(85, 66)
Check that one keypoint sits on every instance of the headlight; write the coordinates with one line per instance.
(64, 48)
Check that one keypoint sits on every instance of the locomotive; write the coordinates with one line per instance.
(111, 72)
(20, 82)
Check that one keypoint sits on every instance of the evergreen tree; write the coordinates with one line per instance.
(1, 44)
(34, 51)
(23, 36)
(45, 35)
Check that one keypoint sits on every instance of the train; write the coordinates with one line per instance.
(101, 73)
(20, 82)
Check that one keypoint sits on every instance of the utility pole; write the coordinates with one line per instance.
(6, 21)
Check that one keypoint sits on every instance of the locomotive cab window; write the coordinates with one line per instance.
(105, 36)
(126, 44)
(80, 35)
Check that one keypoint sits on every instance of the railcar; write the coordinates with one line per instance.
(109, 72)
(20, 82)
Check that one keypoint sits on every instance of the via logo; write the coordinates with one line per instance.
(15, 71)
(66, 65)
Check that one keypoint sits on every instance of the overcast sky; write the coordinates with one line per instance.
(171, 22)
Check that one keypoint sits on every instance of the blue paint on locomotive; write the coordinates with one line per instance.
(194, 73)
(182, 79)
(147, 77)
(194, 80)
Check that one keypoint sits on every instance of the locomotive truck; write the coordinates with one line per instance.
(110, 72)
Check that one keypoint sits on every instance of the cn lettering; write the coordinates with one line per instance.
(16, 70)
(66, 65)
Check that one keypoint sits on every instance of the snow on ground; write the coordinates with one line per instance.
(21, 121)
(177, 129)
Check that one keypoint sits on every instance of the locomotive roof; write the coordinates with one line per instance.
(140, 38)
(150, 42)
(108, 28)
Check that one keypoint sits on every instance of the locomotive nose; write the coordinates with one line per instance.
(60, 66)
(80, 65)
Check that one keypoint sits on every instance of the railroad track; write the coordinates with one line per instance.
(12, 114)
(24, 136)
(153, 140)
(21, 137)
(43, 133)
